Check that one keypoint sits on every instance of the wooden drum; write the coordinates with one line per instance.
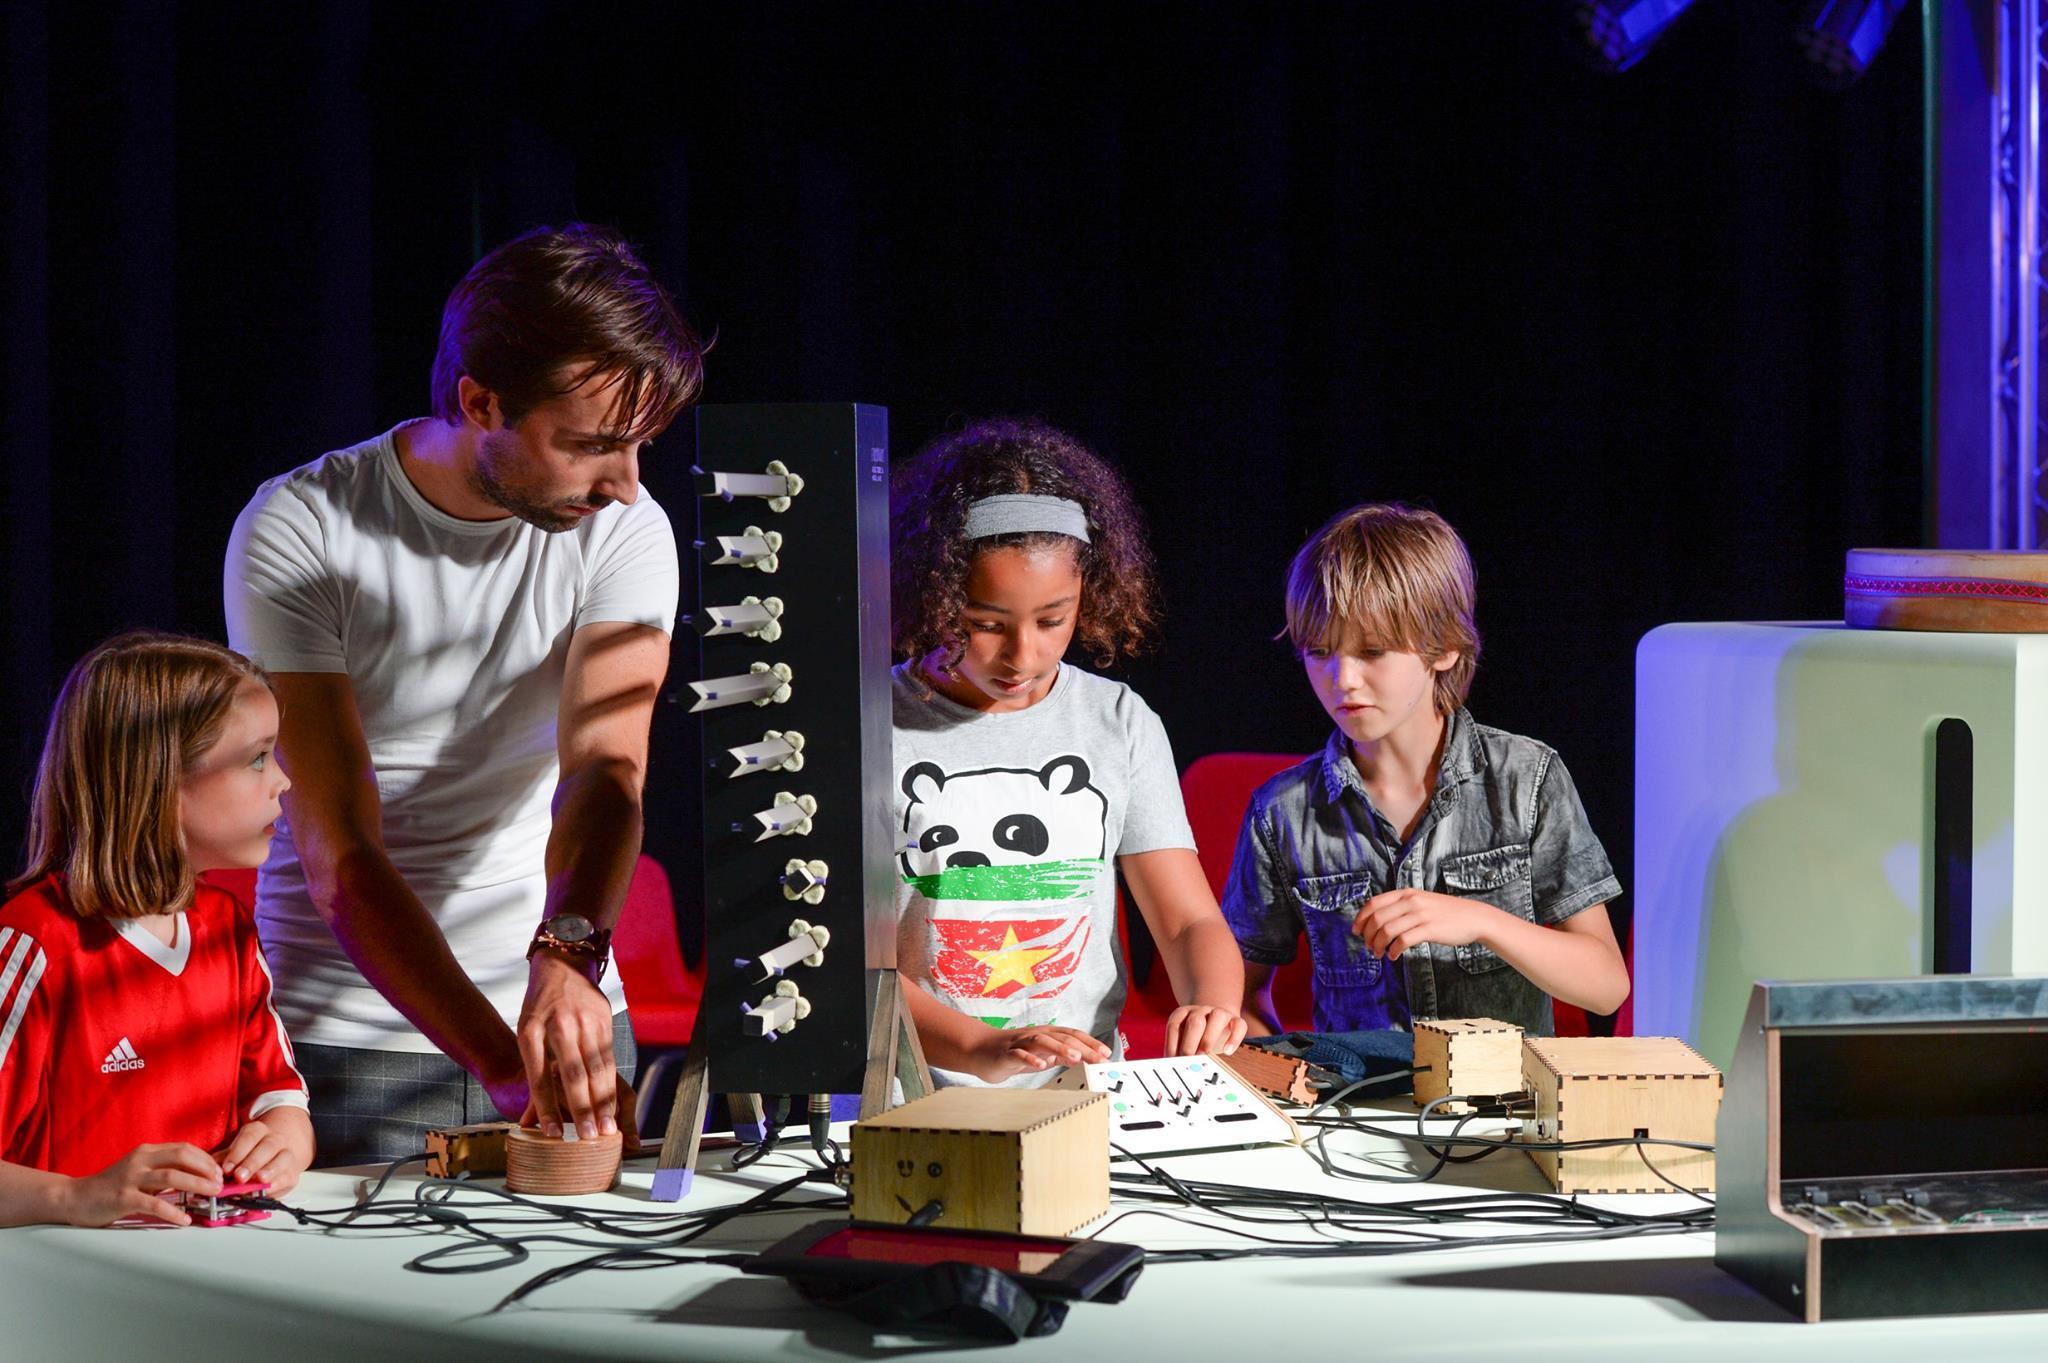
(552, 1167)
(1957, 591)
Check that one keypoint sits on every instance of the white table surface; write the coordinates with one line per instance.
(279, 1290)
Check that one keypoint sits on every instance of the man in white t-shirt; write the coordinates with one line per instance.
(467, 619)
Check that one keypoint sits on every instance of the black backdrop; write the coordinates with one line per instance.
(1652, 341)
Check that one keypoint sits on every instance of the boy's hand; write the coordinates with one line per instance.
(273, 1149)
(1194, 1028)
(1018, 1050)
(1391, 923)
(129, 1186)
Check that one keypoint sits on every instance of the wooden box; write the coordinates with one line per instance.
(1277, 1076)
(478, 1148)
(1031, 1161)
(1591, 1088)
(1471, 1057)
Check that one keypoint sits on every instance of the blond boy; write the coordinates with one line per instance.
(1438, 868)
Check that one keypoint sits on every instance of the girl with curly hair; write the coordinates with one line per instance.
(1023, 783)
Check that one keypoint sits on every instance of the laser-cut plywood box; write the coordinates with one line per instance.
(1471, 1057)
(1031, 1161)
(478, 1148)
(1590, 1088)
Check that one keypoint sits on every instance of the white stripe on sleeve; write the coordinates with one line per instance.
(23, 945)
(277, 1098)
(284, 1042)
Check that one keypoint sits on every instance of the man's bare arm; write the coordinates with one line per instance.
(614, 673)
(336, 821)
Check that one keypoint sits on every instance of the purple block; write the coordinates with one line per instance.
(672, 1185)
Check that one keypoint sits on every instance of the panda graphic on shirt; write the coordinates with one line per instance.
(1007, 860)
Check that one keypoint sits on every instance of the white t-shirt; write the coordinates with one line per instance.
(1011, 821)
(454, 635)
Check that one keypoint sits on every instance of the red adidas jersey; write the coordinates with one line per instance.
(109, 1039)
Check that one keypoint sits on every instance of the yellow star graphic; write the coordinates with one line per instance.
(1011, 962)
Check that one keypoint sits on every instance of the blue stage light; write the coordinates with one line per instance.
(1619, 33)
(1843, 36)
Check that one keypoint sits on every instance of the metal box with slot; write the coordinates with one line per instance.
(1884, 1147)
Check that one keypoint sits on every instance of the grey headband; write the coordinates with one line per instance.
(1018, 513)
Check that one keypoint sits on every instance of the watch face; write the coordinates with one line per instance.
(571, 927)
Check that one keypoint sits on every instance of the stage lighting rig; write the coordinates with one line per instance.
(1619, 33)
(1843, 36)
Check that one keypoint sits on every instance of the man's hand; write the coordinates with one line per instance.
(565, 1040)
(1193, 1029)
(1391, 923)
(274, 1149)
(129, 1186)
(1020, 1050)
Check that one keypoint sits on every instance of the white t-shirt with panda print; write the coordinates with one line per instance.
(1006, 902)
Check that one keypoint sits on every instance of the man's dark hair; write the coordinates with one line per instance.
(576, 296)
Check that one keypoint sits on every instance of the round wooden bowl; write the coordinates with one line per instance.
(1967, 591)
(552, 1167)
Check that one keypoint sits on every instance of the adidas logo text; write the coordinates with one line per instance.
(122, 1057)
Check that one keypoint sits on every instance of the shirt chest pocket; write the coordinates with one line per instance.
(1328, 904)
(1499, 876)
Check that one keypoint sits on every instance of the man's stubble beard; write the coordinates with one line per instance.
(500, 447)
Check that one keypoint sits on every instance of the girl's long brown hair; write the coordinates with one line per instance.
(133, 717)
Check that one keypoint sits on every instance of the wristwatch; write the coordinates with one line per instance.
(579, 939)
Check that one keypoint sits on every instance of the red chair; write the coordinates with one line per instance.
(662, 989)
(1217, 789)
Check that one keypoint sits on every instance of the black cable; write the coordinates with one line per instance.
(772, 1123)
(1368, 1250)
(1515, 1143)
(1506, 1104)
(1232, 1230)
(639, 1256)
(821, 1122)
(1644, 1156)
(661, 1237)
(1509, 1208)
(302, 1216)
(1487, 1144)
(1568, 1219)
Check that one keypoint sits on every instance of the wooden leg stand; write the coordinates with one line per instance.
(893, 1050)
(893, 1053)
(749, 1117)
(677, 1167)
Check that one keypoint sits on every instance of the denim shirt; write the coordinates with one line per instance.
(1504, 826)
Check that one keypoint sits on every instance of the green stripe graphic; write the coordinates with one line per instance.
(1030, 880)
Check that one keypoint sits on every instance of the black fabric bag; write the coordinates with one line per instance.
(966, 1299)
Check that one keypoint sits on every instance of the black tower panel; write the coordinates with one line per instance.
(832, 579)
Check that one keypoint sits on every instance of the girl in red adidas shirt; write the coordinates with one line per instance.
(134, 1001)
